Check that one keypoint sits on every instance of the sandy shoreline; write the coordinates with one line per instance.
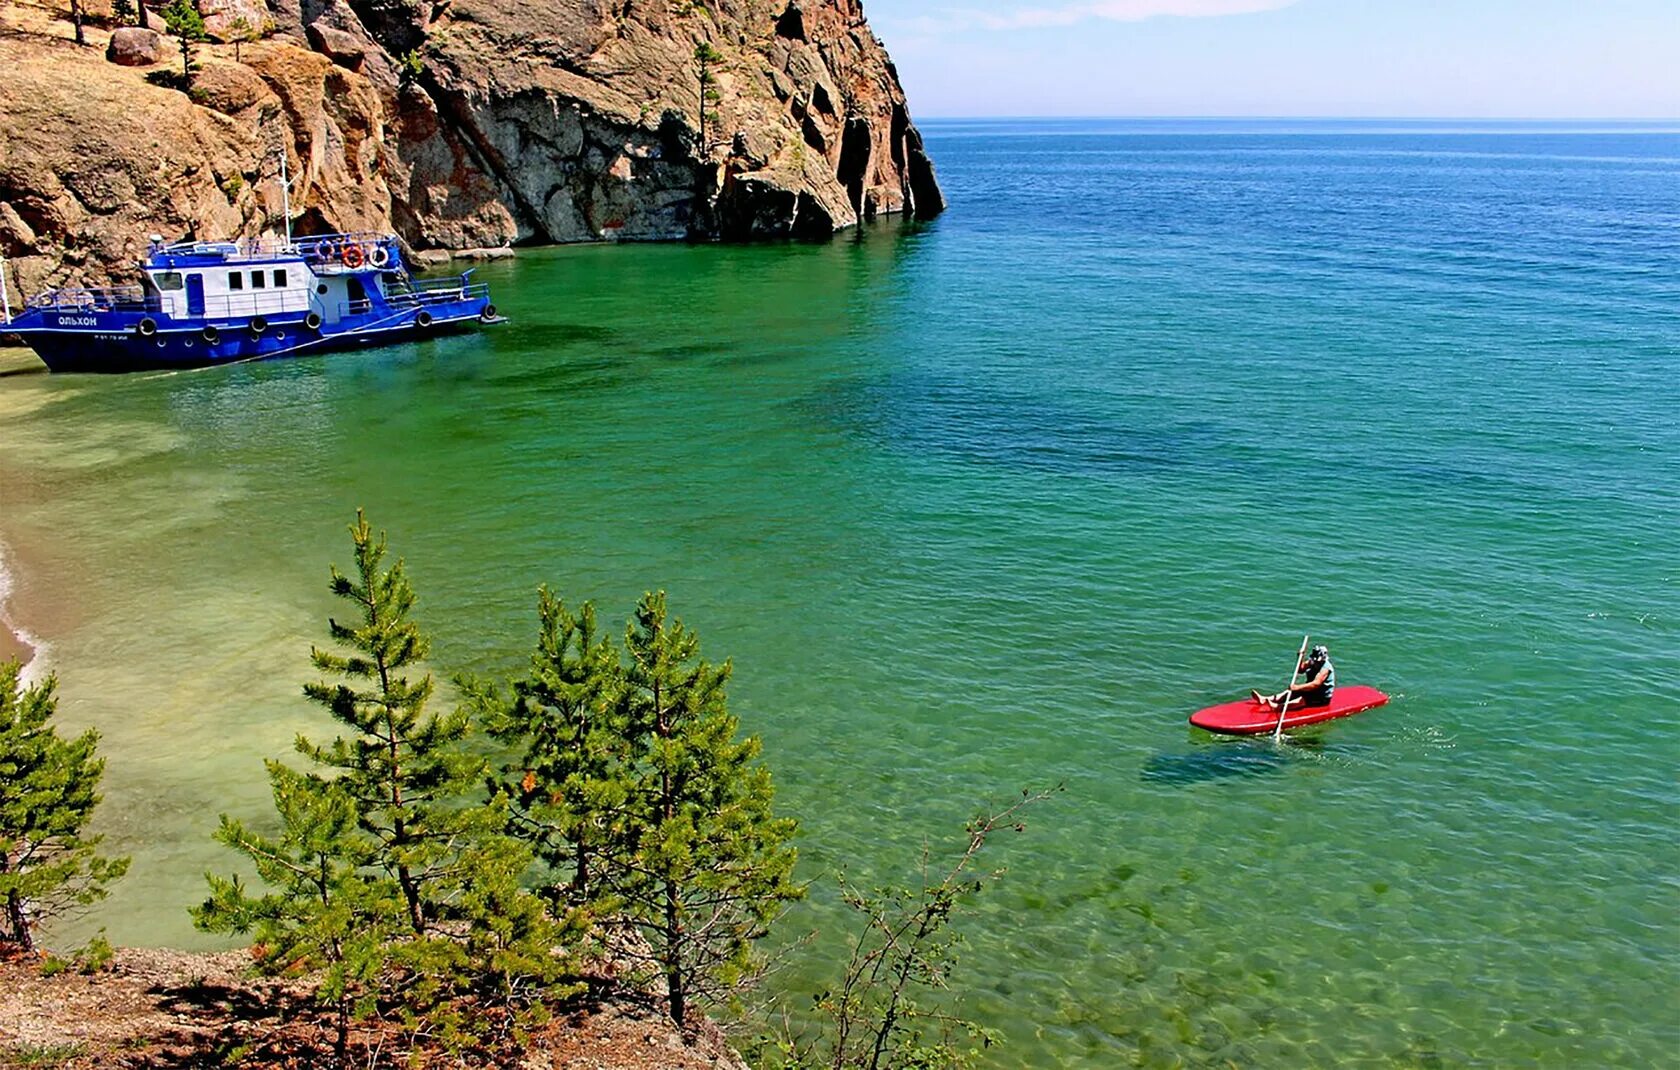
(15, 641)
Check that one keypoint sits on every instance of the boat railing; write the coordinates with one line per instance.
(424, 294)
(240, 305)
(317, 249)
(95, 299)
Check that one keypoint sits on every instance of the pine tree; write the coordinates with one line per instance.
(240, 32)
(123, 11)
(48, 789)
(404, 768)
(568, 787)
(186, 25)
(712, 866)
(389, 874)
(330, 910)
(706, 56)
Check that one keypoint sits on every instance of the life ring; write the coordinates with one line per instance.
(312, 321)
(352, 256)
(148, 327)
(379, 256)
(259, 327)
(327, 250)
(423, 319)
(211, 334)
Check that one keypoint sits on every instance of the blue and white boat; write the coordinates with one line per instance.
(206, 303)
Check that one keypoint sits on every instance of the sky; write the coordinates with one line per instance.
(1545, 59)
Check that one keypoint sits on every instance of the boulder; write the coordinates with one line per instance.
(132, 46)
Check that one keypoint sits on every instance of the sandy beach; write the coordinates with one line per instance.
(14, 360)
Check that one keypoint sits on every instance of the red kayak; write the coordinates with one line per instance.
(1250, 718)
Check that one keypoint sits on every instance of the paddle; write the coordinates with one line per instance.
(1283, 704)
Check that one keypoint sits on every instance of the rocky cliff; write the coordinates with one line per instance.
(456, 123)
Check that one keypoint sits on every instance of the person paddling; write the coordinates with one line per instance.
(1316, 685)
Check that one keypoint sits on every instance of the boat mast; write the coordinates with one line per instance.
(286, 195)
(5, 299)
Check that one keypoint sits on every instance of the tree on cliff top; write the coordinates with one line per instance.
(48, 789)
(707, 57)
(186, 25)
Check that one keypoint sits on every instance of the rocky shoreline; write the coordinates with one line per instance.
(472, 124)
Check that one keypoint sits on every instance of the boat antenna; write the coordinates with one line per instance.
(285, 195)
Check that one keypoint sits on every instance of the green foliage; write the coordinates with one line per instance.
(95, 955)
(410, 67)
(629, 783)
(706, 57)
(387, 874)
(123, 11)
(404, 768)
(889, 1009)
(241, 31)
(568, 793)
(48, 789)
(40, 1056)
(186, 25)
(711, 866)
(329, 910)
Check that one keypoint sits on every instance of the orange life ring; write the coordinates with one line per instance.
(353, 255)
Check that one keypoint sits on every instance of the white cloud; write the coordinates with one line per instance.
(951, 20)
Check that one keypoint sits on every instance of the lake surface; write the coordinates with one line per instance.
(995, 503)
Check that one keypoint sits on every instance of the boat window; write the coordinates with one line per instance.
(236, 281)
(169, 280)
(256, 280)
(279, 278)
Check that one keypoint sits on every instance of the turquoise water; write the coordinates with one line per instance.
(994, 503)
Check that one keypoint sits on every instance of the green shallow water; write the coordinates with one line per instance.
(995, 503)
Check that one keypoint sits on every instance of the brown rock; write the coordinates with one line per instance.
(132, 46)
(548, 120)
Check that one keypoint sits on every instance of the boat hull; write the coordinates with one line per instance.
(113, 352)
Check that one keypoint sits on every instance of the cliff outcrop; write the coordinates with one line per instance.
(456, 123)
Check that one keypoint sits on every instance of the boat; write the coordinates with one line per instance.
(208, 303)
(1250, 718)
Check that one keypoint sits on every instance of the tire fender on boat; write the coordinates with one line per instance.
(312, 321)
(488, 315)
(423, 319)
(259, 326)
(211, 334)
(147, 327)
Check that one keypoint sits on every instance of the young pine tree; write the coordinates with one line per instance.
(388, 874)
(330, 909)
(404, 768)
(48, 789)
(568, 786)
(186, 25)
(711, 866)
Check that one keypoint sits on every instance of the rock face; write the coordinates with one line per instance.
(459, 124)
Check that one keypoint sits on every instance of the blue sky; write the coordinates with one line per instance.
(1425, 58)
